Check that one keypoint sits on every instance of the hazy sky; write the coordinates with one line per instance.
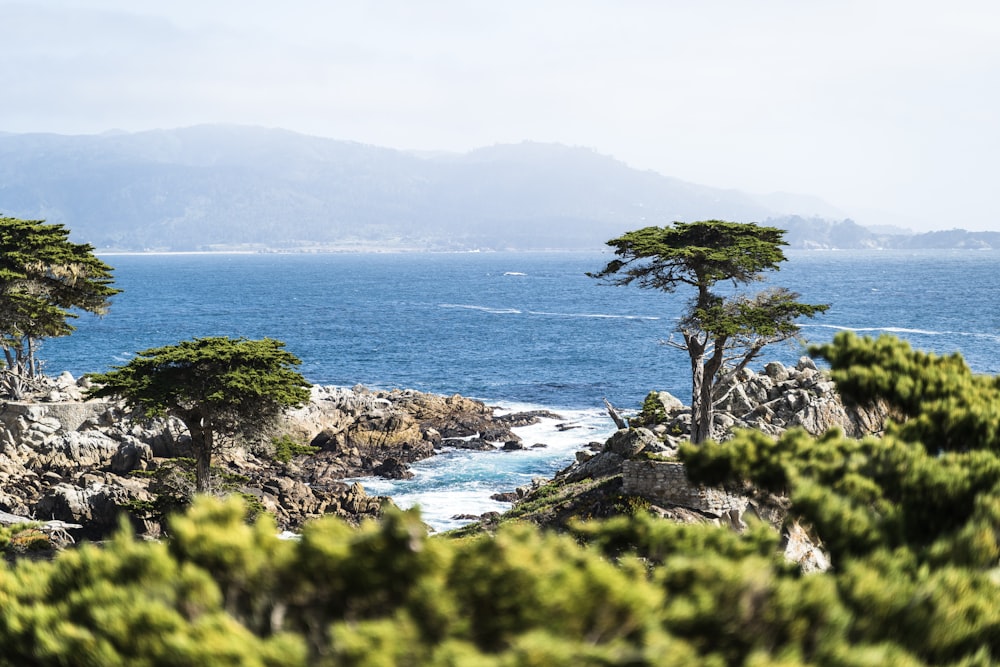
(888, 110)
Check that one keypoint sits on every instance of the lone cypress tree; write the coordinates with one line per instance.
(218, 387)
(721, 334)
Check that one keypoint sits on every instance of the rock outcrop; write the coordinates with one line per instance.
(67, 459)
(774, 401)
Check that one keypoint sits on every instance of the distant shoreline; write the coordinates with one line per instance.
(350, 251)
(489, 251)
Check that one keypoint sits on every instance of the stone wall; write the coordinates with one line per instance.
(666, 483)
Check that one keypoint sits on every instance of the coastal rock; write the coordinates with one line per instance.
(393, 469)
(600, 465)
(771, 402)
(800, 547)
(68, 416)
(784, 398)
(97, 506)
(529, 418)
(629, 442)
(135, 455)
(74, 450)
(454, 416)
(382, 428)
(776, 371)
(475, 444)
(356, 502)
(669, 402)
(71, 459)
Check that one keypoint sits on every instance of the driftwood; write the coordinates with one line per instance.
(54, 528)
(615, 417)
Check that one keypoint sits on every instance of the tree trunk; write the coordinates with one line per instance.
(615, 417)
(703, 373)
(696, 352)
(702, 414)
(202, 443)
(32, 370)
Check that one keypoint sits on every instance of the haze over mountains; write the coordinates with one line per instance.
(235, 187)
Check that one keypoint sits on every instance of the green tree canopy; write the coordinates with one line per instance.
(218, 387)
(43, 278)
(721, 333)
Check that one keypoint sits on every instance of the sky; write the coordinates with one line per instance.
(887, 110)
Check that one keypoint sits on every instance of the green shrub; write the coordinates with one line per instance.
(652, 412)
(286, 448)
(908, 587)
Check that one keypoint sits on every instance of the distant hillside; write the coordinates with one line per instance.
(821, 234)
(231, 187)
(222, 186)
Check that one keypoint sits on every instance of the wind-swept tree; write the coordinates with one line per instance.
(44, 277)
(721, 333)
(220, 388)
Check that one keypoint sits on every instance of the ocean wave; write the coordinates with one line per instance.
(921, 332)
(461, 482)
(905, 330)
(514, 273)
(543, 313)
(485, 309)
(600, 316)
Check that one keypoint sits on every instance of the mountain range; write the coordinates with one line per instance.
(221, 187)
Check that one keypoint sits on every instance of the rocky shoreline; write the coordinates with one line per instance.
(636, 468)
(87, 463)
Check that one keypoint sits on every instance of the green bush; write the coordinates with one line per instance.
(652, 412)
(286, 448)
(914, 534)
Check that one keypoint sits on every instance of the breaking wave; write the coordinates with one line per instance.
(485, 309)
(905, 331)
(544, 313)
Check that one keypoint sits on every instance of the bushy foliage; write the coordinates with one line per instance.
(632, 591)
(913, 530)
(285, 448)
(912, 519)
(652, 411)
(945, 405)
(23, 538)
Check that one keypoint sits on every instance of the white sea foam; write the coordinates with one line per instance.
(485, 309)
(544, 313)
(905, 331)
(602, 316)
(460, 482)
(921, 332)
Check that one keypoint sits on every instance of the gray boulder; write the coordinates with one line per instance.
(629, 442)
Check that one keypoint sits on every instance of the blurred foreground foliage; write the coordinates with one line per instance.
(913, 527)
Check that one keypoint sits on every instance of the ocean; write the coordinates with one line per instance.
(517, 330)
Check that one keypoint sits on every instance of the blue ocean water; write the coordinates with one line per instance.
(527, 329)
